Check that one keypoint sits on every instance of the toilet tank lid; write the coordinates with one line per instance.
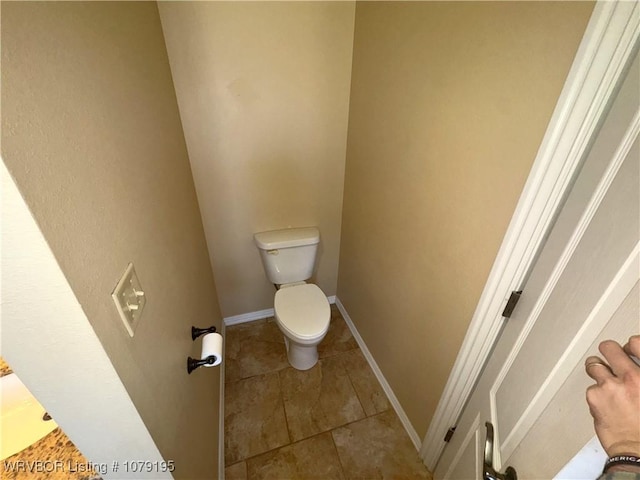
(290, 237)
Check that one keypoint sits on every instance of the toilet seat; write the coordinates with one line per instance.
(302, 311)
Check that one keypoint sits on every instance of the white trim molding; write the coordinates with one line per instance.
(413, 435)
(609, 43)
(248, 317)
(221, 465)
(259, 314)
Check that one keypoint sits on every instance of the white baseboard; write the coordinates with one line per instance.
(248, 317)
(221, 464)
(413, 435)
(251, 316)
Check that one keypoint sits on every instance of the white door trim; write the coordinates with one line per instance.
(610, 40)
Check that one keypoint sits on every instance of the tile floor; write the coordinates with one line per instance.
(331, 422)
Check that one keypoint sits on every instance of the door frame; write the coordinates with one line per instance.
(607, 47)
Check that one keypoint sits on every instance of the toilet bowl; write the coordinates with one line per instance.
(302, 313)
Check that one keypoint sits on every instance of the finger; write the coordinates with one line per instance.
(597, 369)
(632, 347)
(616, 357)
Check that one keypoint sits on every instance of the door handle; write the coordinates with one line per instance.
(488, 472)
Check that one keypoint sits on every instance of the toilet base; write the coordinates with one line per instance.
(301, 357)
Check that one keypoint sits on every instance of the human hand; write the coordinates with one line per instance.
(614, 402)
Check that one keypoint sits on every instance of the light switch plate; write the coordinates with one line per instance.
(130, 299)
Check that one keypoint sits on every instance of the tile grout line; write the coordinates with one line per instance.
(282, 369)
(333, 441)
(291, 442)
(284, 407)
(343, 354)
(330, 432)
(355, 390)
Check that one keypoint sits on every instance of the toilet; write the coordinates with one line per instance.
(302, 310)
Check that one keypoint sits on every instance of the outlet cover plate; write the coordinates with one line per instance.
(130, 299)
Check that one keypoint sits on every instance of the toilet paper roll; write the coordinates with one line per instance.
(212, 345)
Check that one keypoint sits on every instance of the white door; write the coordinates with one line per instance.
(582, 289)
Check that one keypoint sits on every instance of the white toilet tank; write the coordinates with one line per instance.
(289, 255)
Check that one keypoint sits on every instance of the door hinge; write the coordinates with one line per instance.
(449, 434)
(511, 304)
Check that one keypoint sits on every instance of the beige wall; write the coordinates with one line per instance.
(449, 103)
(91, 134)
(263, 90)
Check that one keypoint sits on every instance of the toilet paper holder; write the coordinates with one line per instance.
(196, 332)
(193, 363)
